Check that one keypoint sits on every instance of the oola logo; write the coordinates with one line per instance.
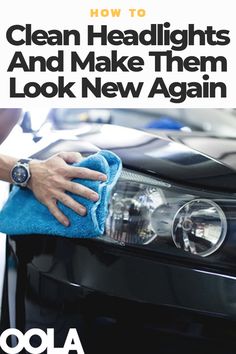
(72, 342)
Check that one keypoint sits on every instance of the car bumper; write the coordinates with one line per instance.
(106, 291)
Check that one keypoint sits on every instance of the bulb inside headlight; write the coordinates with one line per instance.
(199, 227)
(131, 211)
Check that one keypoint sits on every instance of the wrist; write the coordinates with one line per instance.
(34, 166)
(21, 172)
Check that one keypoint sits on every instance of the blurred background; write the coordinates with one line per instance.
(215, 121)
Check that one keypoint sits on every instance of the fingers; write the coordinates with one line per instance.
(85, 173)
(55, 211)
(80, 172)
(71, 203)
(70, 157)
(81, 190)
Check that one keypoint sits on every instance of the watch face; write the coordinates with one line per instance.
(19, 174)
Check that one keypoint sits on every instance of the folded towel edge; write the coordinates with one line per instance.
(109, 189)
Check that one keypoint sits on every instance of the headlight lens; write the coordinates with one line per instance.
(147, 211)
(199, 227)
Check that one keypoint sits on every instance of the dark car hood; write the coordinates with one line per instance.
(174, 161)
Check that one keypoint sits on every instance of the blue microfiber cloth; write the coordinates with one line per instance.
(23, 214)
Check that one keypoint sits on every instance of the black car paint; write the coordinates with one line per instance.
(155, 302)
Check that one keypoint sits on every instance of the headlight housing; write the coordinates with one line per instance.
(149, 212)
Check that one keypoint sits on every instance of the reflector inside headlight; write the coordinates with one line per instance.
(144, 210)
(199, 227)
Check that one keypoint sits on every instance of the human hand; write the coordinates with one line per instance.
(50, 179)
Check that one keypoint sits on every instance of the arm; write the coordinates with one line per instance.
(6, 164)
(50, 180)
(8, 119)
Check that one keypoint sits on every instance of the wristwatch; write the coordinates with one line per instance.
(20, 173)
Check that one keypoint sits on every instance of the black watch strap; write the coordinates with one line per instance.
(24, 160)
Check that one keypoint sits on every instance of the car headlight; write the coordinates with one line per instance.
(146, 211)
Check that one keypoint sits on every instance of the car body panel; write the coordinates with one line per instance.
(155, 155)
